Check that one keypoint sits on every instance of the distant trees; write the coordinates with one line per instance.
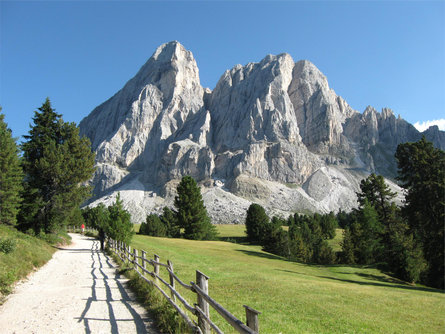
(305, 240)
(114, 220)
(11, 175)
(153, 226)
(376, 232)
(190, 216)
(56, 162)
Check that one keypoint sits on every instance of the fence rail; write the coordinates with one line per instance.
(200, 288)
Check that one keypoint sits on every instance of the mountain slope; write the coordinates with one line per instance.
(272, 132)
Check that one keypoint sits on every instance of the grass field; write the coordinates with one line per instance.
(295, 297)
(28, 253)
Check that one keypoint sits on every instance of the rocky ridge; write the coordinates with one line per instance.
(271, 132)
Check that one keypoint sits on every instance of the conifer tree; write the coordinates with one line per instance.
(256, 223)
(422, 173)
(11, 175)
(191, 213)
(153, 226)
(119, 226)
(56, 163)
(377, 193)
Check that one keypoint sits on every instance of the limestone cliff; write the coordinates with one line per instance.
(272, 132)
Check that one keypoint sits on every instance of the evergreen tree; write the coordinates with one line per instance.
(328, 224)
(421, 169)
(153, 227)
(403, 253)
(347, 246)
(168, 218)
(11, 176)
(274, 239)
(191, 213)
(56, 163)
(96, 217)
(377, 193)
(256, 223)
(119, 226)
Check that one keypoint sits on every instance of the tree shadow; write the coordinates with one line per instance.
(262, 255)
(235, 240)
(389, 285)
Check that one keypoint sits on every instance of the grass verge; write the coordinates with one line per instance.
(164, 315)
(25, 254)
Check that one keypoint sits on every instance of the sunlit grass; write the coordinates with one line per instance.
(295, 297)
(29, 253)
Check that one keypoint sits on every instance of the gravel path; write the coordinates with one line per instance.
(77, 291)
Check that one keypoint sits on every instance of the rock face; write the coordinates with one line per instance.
(272, 132)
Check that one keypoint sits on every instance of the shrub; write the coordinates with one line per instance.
(7, 245)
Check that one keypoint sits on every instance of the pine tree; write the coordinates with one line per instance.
(119, 226)
(368, 242)
(422, 173)
(11, 176)
(377, 193)
(168, 218)
(153, 226)
(56, 163)
(191, 213)
(256, 223)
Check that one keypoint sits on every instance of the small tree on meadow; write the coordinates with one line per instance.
(256, 223)
(191, 213)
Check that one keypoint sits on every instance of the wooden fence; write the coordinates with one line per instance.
(200, 288)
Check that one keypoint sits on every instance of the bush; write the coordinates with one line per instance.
(7, 245)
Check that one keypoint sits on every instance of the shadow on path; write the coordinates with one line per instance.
(115, 297)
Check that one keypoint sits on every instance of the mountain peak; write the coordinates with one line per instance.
(170, 50)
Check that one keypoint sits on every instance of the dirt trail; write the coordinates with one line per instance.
(77, 291)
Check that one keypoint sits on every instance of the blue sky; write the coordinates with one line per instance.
(379, 53)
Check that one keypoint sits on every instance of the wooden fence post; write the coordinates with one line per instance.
(252, 318)
(143, 262)
(203, 282)
(156, 268)
(135, 259)
(172, 279)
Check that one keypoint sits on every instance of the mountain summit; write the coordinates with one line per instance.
(272, 132)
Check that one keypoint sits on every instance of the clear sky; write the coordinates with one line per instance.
(379, 53)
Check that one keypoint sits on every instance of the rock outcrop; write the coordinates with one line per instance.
(273, 132)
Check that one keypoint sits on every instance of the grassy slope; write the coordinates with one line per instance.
(30, 252)
(294, 297)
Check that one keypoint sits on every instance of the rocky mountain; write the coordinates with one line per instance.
(272, 132)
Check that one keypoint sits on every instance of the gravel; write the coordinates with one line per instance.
(77, 291)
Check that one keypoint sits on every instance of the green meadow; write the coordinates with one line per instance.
(299, 298)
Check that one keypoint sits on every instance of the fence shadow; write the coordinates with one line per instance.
(100, 281)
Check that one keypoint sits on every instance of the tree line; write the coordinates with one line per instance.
(42, 181)
(406, 241)
(190, 219)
